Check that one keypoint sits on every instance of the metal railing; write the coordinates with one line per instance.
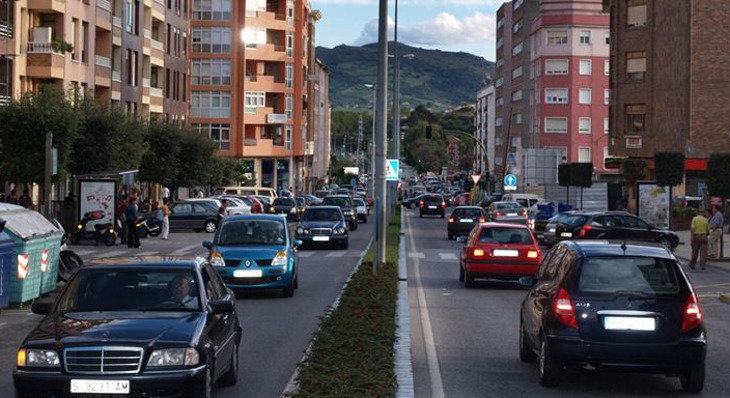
(6, 29)
(5, 99)
(145, 82)
(40, 47)
(156, 92)
(104, 5)
(103, 61)
(158, 45)
(117, 76)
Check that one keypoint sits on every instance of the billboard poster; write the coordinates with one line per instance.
(97, 195)
(654, 204)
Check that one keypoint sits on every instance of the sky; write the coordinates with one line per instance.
(449, 25)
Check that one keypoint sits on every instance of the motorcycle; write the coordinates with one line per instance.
(149, 225)
(102, 232)
(68, 261)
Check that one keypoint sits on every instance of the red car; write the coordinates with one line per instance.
(499, 251)
(462, 200)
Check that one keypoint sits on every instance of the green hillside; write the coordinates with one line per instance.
(434, 78)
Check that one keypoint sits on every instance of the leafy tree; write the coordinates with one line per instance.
(195, 157)
(633, 170)
(162, 161)
(669, 168)
(718, 178)
(427, 155)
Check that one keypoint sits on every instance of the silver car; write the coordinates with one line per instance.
(508, 212)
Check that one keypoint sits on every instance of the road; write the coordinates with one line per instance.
(277, 330)
(464, 341)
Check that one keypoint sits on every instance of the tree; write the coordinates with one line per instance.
(633, 170)
(427, 155)
(195, 156)
(669, 168)
(161, 163)
(718, 178)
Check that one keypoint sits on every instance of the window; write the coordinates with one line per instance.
(290, 45)
(287, 138)
(500, 62)
(130, 16)
(635, 119)
(584, 155)
(289, 106)
(517, 4)
(518, 118)
(556, 67)
(607, 67)
(499, 101)
(585, 37)
(500, 23)
(500, 42)
(557, 37)
(608, 38)
(636, 65)
(585, 67)
(606, 97)
(214, 71)
(636, 13)
(499, 82)
(516, 72)
(211, 39)
(584, 96)
(220, 133)
(556, 125)
(211, 104)
(253, 100)
(212, 10)
(289, 75)
(516, 95)
(516, 26)
(517, 49)
(556, 95)
(290, 13)
(498, 121)
(605, 125)
(584, 125)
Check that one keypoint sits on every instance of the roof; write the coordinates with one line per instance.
(468, 207)
(272, 217)
(597, 248)
(503, 225)
(146, 261)
(323, 208)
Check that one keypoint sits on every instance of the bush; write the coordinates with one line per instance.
(669, 168)
(633, 170)
(581, 174)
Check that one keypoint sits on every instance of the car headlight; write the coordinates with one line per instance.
(174, 357)
(279, 259)
(37, 358)
(216, 260)
(300, 231)
(271, 209)
(340, 231)
(293, 210)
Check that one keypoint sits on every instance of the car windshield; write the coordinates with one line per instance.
(611, 275)
(506, 236)
(284, 202)
(358, 202)
(336, 201)
(574, 220)
(251, 232)
(508, 205)
(468, 213)
(130, 290)
(322, 215)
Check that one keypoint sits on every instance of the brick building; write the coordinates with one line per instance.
(484, 130)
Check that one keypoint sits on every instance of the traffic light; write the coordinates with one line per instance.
(429, 132)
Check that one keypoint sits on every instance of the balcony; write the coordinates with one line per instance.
(157, 53)
(6, 29)
(158, 10)
(117, 76)
(103, 71)
(156, 92)
(266, 83)
(103, 61)
(44, 61)
(145, 82)
(276, 118)
(117, 30)
(104, 14)
(268, 19)
(58, 6)
(267, 52)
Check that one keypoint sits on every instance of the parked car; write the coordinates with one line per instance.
(323, 225)
(612, 306)
(361, 209)
(508, 212)
(287, 207)
(463, 219)
(255, 252)
(432, 204)
(133, 329)
(256, 191)
(197, 215)
(499, 251)
(345, 203)
(236, 206)
(526, 200)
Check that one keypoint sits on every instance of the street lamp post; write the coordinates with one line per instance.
(381, 122)
(371, 183)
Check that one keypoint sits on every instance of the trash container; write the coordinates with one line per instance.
(34, 260)
(6, 257)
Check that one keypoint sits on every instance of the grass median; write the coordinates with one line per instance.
(352, 352)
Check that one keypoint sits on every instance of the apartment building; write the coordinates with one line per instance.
(569, 75)
(671, 82)
(321, 126)
(484, 130)
(249, 84)
(512, 83)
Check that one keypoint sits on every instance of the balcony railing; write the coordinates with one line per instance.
(104, 5)
(158, 45)
(103, 61)
(250, 142)
(40, 47)
(6, 29)
(276, 118)
(117, 21)
(4, 100)
(145, 82)
(147, 34)
(117, 76)
(156, 92)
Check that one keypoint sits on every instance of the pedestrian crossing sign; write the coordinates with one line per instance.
(392, 170)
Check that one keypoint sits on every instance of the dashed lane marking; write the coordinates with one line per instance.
(416, 255)
(305, 254)
(336, 254)
(184, 250)
(448, 256)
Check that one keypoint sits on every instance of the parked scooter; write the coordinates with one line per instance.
(104, 232)
(68, 261)
(149, 225)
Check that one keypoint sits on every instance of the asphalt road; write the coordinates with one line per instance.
(277, 330)
(464, 341)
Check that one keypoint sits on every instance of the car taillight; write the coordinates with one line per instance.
(451, 220)
(482, 219)
(477, 253)
(421, 204)
(443, 204)
(563, 309)
(497, 214)
(584, 231)
(692, 314)
(523, 213)
(533, 254)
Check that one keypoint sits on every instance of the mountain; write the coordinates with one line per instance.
(434, 78)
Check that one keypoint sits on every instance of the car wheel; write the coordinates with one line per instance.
(354, 226)
(210, 226)
(156, 232)
(469, 281)
(231, 376)
(205, 388)
(289, 290)
(142, 233)
(526, 353)
(364, 220)
(693, 381)
(549, 368)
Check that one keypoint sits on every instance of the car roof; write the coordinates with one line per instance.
(468, 207)
(254, 217)
(337, 196)
(145, 262)
(599, 248)
(503, 225)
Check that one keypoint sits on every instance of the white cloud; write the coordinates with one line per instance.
(428, 3)
(444, 29)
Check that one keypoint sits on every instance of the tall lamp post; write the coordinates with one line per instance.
(381, 122)
(371, 182)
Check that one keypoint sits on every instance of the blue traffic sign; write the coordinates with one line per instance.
(510, 180)
(392, 170)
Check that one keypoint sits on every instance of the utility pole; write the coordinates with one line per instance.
(49, 171)
(381, 122)
(396, 113)
(359, 146)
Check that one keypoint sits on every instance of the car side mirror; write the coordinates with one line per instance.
(42, 307)
(208, 245)
(526, 281)
(298, 243)
(218, 307)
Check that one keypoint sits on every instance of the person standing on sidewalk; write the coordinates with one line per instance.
(700, 229)
(165, 218)
(716, 223)
(131, 215)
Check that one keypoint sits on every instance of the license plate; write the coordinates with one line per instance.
(321, 238)
(629, 323)
(248, 273)
(566, 234)
(552, 230)
(431, 207)
(83, 386)
(467, 220)
(511, 214)
(505, 253)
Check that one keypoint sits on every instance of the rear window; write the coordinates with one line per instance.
(508, 205)
(284, 202)
(433, 199)
(473, 213)
(506, 236)
(610, 275)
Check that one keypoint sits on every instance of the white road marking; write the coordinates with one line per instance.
(186, 249)
(305, 254)
(434, 371)
(3, 324)
(336, 254)
(84, 252)
(416, 254)
(448, 256)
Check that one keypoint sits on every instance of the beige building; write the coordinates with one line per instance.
(322, 121)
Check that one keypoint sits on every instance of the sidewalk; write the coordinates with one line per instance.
(684, 250)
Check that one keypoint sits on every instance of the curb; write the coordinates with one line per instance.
(402, 364)
(293, 385)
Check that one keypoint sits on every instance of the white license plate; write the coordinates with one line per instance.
(552, 230)
(467, 220)
(248, 273)
(506, 253)
(629, 323)
(321, 238)
(431, 207)
(83, 386)
(511, 214)
(566, 234)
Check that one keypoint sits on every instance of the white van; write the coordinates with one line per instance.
(260, 191)
(526, 200)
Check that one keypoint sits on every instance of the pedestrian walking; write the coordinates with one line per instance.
(716, 223)
(700, 229)
(165, 218)
(131, 214)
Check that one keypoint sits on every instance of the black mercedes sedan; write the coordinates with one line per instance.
(166, 328)
(287, 207)
(323, 226)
